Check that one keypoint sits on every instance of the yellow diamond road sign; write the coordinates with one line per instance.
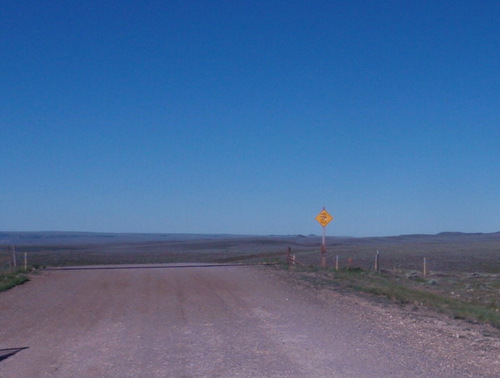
(324, 218)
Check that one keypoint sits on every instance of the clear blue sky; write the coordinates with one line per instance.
(248, 117)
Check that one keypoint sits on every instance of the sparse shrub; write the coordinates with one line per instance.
(354, 269)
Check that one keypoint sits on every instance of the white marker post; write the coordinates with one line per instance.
(323, 219)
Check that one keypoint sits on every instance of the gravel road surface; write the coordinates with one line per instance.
(225, 321)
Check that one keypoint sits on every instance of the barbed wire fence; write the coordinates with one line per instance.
(8, 259)
(5, 261)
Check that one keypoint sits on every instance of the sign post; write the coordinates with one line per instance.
(323, 219)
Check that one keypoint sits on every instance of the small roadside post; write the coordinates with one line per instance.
(14, 258)
(323, 219)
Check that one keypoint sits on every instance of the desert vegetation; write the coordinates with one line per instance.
(473, 297)
(11, 279)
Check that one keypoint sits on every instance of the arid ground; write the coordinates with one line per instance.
(445, 252)
(226, 321)
(187, 309)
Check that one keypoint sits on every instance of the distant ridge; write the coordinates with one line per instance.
(74, 237)
(447, 237)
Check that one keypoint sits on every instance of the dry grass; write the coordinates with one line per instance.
(474, 297)
(10, 280)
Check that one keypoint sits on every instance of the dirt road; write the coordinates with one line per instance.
(223, 322)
